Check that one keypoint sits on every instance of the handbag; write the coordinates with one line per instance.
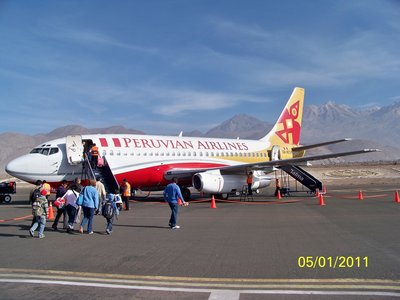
(79, 200)
(59, 203)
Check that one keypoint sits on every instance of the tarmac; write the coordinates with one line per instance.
(268, 248)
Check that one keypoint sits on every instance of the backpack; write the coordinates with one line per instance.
(108, 210)
(37, 208)
(35, 194)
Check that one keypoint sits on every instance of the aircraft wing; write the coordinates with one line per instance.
(293, 161)
(187, 173)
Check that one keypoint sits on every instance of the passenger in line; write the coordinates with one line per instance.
(126, 192)
(77, 186)
(171, 195)
(39, 211)
(61, 190)
(112, 199)
(102, 194)
(89, 205)
(70, 205)
(94, 151)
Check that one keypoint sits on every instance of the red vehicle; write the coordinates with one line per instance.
(7, 188)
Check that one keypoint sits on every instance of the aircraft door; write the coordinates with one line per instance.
(74, 149)
(275, 153)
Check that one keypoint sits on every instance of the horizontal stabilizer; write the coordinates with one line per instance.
(306, 147)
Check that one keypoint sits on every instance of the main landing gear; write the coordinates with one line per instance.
(186, 193)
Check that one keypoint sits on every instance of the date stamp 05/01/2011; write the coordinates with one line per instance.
(332, 262)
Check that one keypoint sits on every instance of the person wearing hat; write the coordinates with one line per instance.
(39, 211)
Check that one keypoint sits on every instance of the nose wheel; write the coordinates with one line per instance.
(5, 198)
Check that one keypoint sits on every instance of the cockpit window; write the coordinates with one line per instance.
(53, 151)
(36, 150)
(45, 150)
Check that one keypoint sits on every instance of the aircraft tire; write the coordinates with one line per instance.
(186, 193)
(222, 196)
(7, 199)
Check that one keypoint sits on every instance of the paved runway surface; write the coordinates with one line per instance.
(287, 249)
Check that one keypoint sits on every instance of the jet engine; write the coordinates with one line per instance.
(214, 182)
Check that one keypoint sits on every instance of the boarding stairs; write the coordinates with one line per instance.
(302, 176)
(103, 172)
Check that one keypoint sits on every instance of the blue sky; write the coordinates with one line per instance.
(170, 65)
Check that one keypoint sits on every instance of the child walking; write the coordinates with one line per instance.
(39, 211)
(110, 209)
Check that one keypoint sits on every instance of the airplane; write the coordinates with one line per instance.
(215, 166)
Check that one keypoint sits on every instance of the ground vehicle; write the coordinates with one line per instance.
(7, 188)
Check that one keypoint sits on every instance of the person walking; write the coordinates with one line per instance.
(171, 195)
(39, 211)
(110, 210)
(90, 201)
(70, 206)
(34, 193)
(102, 194)
(61, 190)
(126, 193)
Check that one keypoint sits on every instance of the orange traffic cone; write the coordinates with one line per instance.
(321, 200)
(213, 205)
(50, 214)
(396, 197)
(324, 190)
(360, 195)
(317, 193)
(179, 202)
(278, 195)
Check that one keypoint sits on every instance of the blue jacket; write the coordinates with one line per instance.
(90, 197)
(172, 192)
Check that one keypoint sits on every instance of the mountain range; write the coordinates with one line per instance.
(376, 127)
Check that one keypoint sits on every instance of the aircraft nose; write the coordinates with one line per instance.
(16, 166)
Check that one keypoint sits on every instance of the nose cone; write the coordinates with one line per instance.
(19, 168)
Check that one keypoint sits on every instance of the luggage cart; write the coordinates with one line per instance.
(7, 188)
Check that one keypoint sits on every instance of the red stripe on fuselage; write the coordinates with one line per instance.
(117, 142)
(152, 177)
(103, 142)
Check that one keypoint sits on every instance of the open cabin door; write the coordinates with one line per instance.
(74, 149)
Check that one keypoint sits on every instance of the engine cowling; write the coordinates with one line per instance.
(215, 183)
